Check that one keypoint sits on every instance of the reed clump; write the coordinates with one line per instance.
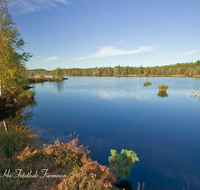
(147, 83)
(16, 140)
(162, 88)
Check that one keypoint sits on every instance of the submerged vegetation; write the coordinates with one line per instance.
(162, 88)
(147, 83)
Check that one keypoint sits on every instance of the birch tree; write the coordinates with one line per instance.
(12, 56)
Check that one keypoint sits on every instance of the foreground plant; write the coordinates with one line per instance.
(16, 140)
(90, 176)
(123, 162)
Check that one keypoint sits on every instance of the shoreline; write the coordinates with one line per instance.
(181, 76)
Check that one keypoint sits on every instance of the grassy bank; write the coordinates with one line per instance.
(16, 102)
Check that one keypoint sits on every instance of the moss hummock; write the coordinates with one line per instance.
(162, 88)
(147, 83)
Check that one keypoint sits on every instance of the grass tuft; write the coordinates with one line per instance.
(16, 140)
(147, 83)
(162, 88)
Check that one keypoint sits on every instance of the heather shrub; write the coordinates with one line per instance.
(86, 181)
(102, 172)
(90, 176)
(68, 154)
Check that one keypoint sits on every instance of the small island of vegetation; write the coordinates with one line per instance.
(162, 88)
(147, 83)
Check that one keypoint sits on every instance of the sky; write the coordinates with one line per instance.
(107, 33)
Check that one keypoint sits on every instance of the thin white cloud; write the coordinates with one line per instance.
(183, 54)
(111, 95)
(121, 42)
(79, 58)
(62, 1)
(110, 51)
(27, 6)
(52, 58)
(86, 61)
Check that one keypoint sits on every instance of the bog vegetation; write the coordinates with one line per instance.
(147, 83)
(162, 88)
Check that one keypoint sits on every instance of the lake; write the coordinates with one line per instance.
(120, 113)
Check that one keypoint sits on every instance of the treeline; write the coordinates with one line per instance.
(186, 69)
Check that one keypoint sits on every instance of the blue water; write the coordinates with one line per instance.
(120, 113)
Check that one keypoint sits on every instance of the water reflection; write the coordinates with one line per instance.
(17, 118)
(165, 140)
(59, 85)
(162, 94)
(113, 95)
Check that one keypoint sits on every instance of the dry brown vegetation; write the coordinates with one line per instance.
(60, 159)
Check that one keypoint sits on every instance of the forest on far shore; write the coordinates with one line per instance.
(180, 69)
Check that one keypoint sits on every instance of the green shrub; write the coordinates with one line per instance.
(91, 176)
(147, 83)
(123, 162)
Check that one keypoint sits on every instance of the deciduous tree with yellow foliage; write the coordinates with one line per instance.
(12, 56)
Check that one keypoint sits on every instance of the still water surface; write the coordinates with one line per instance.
(119, 113)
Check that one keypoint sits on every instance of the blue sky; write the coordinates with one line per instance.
(104, 33)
